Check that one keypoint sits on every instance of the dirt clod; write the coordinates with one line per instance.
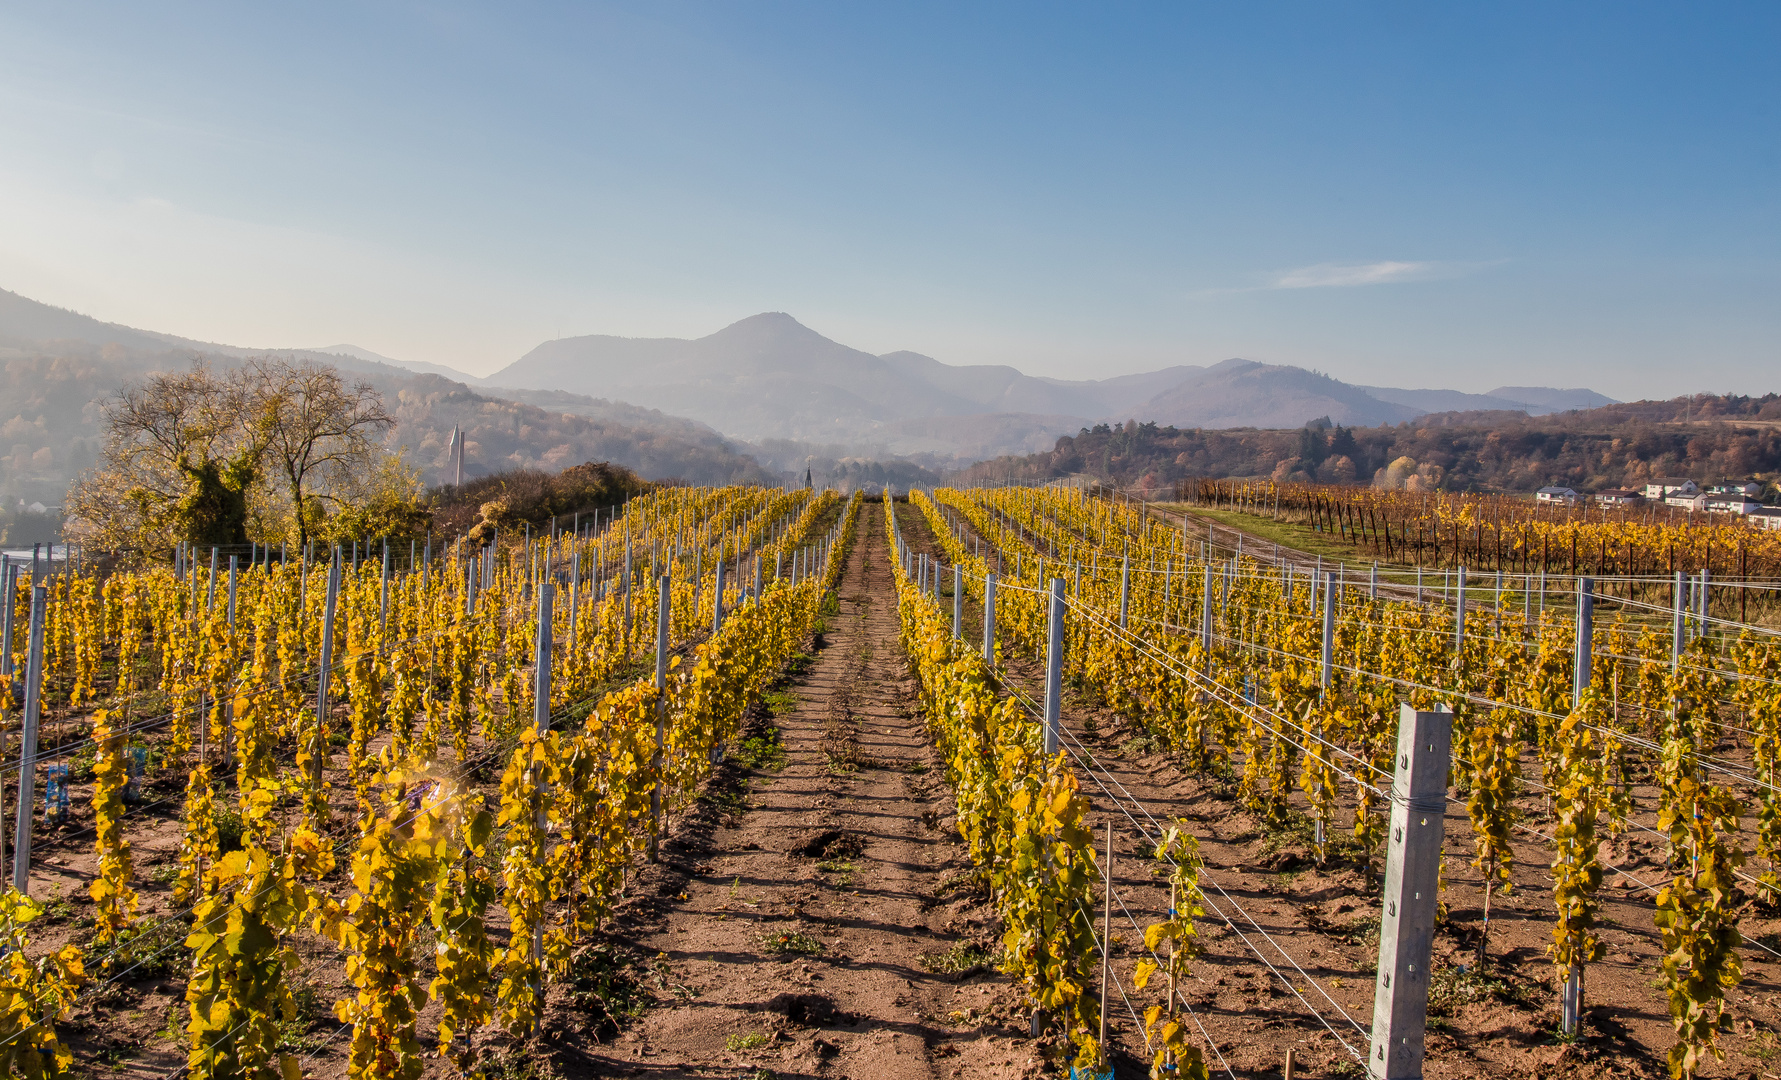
(818, 846)
(806, 1010)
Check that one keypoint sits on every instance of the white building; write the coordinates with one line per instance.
(1665, 486)
(1730, 502)
(1618, 497)
(1565, 495)
(1766, 517)
(1749, 487)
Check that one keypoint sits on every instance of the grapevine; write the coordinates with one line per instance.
(33, 995)
(1174, 1056)
(111, 892)
(1697, 911)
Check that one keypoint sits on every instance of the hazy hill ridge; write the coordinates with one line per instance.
(770, 377)
(58, 366)
(659, 405)
(419, 366)
(1532, 400)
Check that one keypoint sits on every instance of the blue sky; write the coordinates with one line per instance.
(1399, 194)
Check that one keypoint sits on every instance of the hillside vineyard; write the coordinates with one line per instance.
(439, 772)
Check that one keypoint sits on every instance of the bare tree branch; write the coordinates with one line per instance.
(316, 427)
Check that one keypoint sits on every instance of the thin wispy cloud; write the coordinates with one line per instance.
(1340, 276)
(1352, 275)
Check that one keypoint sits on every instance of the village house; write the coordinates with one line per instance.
(1663, 487)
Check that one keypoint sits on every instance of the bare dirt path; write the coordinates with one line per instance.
(797, 921)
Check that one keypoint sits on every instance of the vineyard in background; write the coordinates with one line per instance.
(1633, 551)
(597, 673)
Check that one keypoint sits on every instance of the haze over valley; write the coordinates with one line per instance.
(763, 398)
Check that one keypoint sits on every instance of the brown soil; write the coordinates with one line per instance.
(1300, 947)
(848, 849)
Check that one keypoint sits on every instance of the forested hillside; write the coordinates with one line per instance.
(50, 398)
(1705, 437)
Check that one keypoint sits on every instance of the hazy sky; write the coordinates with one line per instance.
(1407, 194)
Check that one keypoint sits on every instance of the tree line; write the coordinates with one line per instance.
(1707, 438)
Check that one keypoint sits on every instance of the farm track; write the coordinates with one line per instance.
(1302, 562)
(847, 846)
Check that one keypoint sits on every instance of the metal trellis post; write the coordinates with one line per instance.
(958, 601)
(21, 855)
(1206, 611)
(318, 749)
(1676, 627)
(1054, 665)
(1329, 632)
(661, 684)
(717, 605)
(541, 659)
(1412, 877)
(1571, 998)
(989, 619)
(1459, 614)
(383, 593)
(1125, 590)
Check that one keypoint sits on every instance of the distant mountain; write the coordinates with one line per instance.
(986, 388)
(1532, 400)
(1545, 399)
(25, 323)
(30, 327)
(366, 355)
(1241, 393)
(1433, 401)
(767, 376)
(770, 377)
(57, 367)
(785, 389)
(1122, 394)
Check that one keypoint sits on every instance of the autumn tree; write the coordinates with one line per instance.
(257, 451)
(319, 432)
(177, 463)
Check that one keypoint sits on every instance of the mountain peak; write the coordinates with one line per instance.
(1554, 399)
(767, 322)
(775, 333)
